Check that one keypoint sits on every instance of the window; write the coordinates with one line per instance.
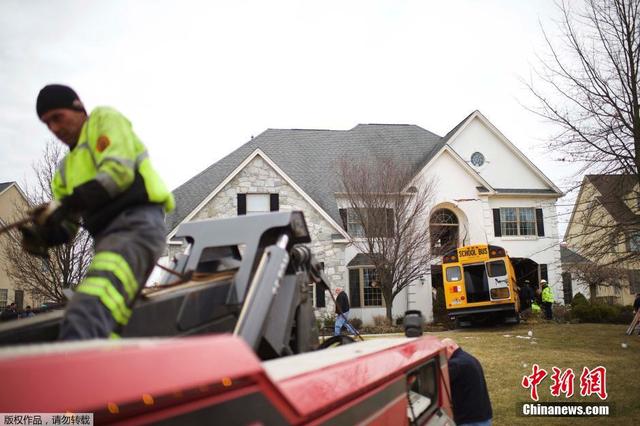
(496, 269)
(354, 226)
(372, 293)
(443, 231)
(364, 290)
(453, 273)
(518, 221)
(634, 242)
(257, 203)
(423, 384)
(4, 295)
(477, 159)
(379, 221)
(634, 282)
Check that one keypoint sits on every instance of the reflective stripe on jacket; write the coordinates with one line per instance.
(109, 152)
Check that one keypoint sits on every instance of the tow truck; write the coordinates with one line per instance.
(228, 337)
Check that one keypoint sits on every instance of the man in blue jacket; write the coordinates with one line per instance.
(469, 393)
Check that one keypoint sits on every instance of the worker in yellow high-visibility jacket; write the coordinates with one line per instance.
(107, 180)
(547, 299)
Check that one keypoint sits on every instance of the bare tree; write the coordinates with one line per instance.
(390, 221)
(595, 276)
(46, 278)
(589, 88)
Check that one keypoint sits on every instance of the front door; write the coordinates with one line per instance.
(19, 299)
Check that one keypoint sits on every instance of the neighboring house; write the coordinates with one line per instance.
(604, 229)
(487, 192)
(13, 203)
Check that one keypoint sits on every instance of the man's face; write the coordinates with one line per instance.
(338, 290)
(65, 123)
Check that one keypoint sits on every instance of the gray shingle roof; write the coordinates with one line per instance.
(615, 189)
(569, 256)
(4, 185)
(310, 158)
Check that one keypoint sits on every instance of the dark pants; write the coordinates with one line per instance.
(548, 312)
(134, 240)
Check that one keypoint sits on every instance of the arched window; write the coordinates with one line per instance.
(444, 231)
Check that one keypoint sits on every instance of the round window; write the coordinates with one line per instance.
(477, 159)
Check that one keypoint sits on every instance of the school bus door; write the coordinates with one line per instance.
(498, 279)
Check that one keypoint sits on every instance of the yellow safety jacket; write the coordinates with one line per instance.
(547, 295)
(107, 171)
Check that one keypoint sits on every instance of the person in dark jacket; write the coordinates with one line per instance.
(636, 304)
(342, 312)
(469, 393)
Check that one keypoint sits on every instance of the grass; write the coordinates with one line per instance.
(506, 360)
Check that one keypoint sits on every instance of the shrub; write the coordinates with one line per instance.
(561, 313)
(356, 323)
(579, 299)
(399, 321)
(329, 320)
(602, 313)
(381, 321)
(380, 329)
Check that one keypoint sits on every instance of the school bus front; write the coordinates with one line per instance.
(479, 280)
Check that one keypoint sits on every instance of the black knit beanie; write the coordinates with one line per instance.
(55, 96)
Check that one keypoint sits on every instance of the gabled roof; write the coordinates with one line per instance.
(309, 158)
(568, 256)
(614, 189)
(5, 185)
(459, 128)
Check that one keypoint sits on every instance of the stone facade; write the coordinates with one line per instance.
(259, 177)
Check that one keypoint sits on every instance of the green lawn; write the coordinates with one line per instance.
(507, 359)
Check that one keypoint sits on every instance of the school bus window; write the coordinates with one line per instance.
(453, 273)
(496, 268)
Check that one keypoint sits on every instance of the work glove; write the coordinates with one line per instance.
(33, 240)
(49, 214)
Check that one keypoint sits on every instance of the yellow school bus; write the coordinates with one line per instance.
(479, 282)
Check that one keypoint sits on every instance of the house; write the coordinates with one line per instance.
(604, 230)
(13, 202)
(487, 192)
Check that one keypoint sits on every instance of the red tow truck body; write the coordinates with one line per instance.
(219, 380)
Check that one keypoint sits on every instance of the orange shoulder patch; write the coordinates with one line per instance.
(103, 143)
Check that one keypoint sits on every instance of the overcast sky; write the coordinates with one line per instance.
(198, 79)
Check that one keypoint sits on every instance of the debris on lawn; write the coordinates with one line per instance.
(624, 346)
(507, 335)
(530, 333)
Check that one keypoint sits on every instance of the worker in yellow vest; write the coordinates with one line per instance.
(547, 299)
(106, 180)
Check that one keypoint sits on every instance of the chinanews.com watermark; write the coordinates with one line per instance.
(592, 382)
(564, 409)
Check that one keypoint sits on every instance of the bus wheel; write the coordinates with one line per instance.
(462, 323)
(514, 318)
